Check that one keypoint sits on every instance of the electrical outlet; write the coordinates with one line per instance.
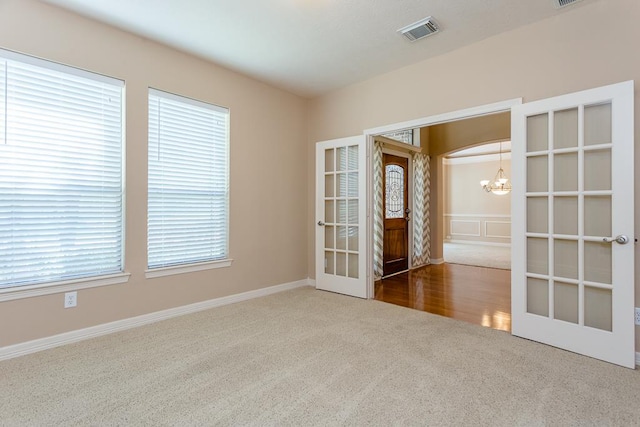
(638, 316)
(70, 299)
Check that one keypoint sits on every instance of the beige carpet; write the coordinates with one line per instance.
(478, 255)
(306, 357)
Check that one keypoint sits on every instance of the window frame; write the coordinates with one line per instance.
(188, 267)
(39, 288)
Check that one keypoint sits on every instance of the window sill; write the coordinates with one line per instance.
(20, 292)
(190, 268)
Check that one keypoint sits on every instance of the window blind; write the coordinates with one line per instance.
(61, 197)
(188, 187)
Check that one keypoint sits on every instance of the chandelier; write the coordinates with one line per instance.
(500, 184)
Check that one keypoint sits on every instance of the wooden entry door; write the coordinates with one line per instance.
(396, 214)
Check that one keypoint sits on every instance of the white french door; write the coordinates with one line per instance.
(341, 216)
(573, 222)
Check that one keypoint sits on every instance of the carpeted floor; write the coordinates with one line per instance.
(478, 255)
(307, 357)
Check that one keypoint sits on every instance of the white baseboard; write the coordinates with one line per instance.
(437, 260)
(637, 359)
(475, 242)
(40, 344)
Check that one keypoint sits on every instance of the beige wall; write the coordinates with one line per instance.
(559, 55)
(448, 138)
(268, 172)
(468, 209)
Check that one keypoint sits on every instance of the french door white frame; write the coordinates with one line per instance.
(370, 134)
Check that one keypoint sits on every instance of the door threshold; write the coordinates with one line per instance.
(395, 274)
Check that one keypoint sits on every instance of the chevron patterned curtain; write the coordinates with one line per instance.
(421, 200)
(378, 219)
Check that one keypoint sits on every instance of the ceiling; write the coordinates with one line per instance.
(484, 149)
(310, 47)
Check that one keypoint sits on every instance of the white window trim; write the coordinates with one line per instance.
(210, 264)
(20, 292)
(17, 292)
(187, 268)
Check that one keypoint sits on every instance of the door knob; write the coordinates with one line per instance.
(621, 239)
(320, 223)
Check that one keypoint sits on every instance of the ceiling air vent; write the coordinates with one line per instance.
(421, 29)
(562, 3)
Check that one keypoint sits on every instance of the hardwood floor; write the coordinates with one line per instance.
(474, 294)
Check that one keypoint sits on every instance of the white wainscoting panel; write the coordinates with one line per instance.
(464, 227)
(478, 228)
(500, 229)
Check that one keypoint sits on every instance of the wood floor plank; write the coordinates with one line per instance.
(474, 294)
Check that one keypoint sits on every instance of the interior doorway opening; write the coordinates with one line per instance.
(477, 213)
(479, 294)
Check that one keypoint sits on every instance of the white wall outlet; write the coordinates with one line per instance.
(638, 316)
(70, 299)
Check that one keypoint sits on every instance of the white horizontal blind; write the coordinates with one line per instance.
(61, 213)
(188, 181)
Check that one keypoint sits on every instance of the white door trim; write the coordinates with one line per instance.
(467, 113)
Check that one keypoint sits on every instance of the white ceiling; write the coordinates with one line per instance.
(309, 47)
(479, 150)
(481, 153)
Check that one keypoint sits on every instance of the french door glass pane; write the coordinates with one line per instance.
(342, 159)
(537, 255)
(329, 262)
(597, 170)
(353, 266)
(341, 186)
(353, 212)
(328, 160)
(341, 264)
(597, 124)
(565, 302)
(342, 211)
(537, 133)
(537, 174)
(329, 238)
(329, 212)
(597, 216)
(353, 158)
(537, 215)
(341, 238)
(565, 172)
(538, 296)
(353, 239)
(565, 215)
(597, 308)
(353, 184)
(565, 130)
(565, 254)
(597, 262)
(329, 185)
